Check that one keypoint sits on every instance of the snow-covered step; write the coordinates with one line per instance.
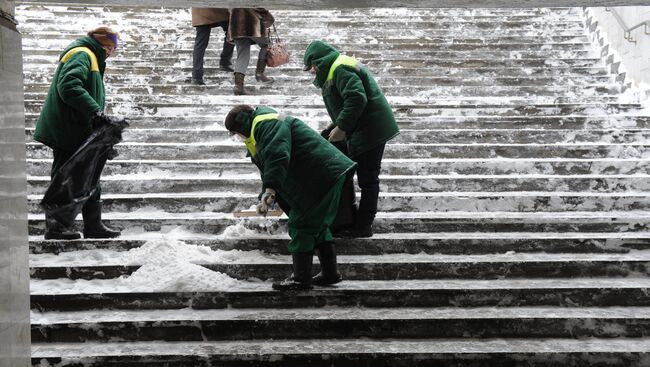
(376, 323)
(103, 264)
(405, 166)
(251, 184)
(231, 149)
(34, 54)
(591, 93)
(187, 288)
(152, 220)
(605, 352)
(459, 136)
(237, 238)
(319, 120)
(388, 202)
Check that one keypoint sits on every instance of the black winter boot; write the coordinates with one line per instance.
(300, 279)
(329, 273)
(261, 67)
(93, 226)
(57, 231)
(239, 84)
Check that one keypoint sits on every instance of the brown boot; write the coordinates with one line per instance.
(239, 84)
(261, 67)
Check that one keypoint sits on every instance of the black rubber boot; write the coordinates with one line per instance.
(261, 67)
(300, 279)
(57, 231)
(239, 84)
(329, 273)
(93, 226)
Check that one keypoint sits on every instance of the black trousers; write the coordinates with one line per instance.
(368, 168)
(62, 156)
(201, 44)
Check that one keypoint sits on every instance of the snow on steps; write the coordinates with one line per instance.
(535, 236)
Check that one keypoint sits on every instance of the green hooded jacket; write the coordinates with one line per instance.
(353, 100)
(75, 94)
(296, 161)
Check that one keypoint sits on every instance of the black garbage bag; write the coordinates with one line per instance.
(76, 181)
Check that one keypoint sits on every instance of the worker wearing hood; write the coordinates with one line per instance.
(360, 115)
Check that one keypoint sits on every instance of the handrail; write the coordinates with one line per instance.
(627, 31)
(8, 16)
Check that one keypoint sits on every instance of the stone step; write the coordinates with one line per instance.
(305, 87)
(299, 43)
(102, 264)
(122, 73)
(147, 34)
(630, 352)
(251, 184)
(374, 323)
(587, 93)
(52, 11)
(443, 136)
(113, 294)
(378, 67)
(228, 202)
(230, 149)
(172, 18)
(406, 167)
(216, 108)
(320, 120)
(153, 220)
(454, 243)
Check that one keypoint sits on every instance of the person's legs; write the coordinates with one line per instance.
(307, 230)
(200, 44)
(241, 64)
(261, 61)
(369, 166)
(54, 230)
(227, 50)
(347, 211)
(243, 54)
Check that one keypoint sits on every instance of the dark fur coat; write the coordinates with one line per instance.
(249, 22)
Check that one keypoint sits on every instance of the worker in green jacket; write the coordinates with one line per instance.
(74, 103)
(304, 174)
(360, 115)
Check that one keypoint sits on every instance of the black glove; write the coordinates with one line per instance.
(326, 133)
(111, 154)
(99, 119)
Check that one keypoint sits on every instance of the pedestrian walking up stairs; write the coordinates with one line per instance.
(513, 226)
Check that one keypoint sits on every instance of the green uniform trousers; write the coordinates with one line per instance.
(313, 227)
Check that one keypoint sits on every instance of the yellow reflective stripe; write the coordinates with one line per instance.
(250, 141)
(341, 60)
(94, 65)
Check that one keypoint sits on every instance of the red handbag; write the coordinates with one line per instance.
(277, 53)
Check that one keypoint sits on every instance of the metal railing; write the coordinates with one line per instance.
(8, 16)
(627, 31)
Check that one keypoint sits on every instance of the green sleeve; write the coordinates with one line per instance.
(274, 149)
(71, 82)
(354, 97)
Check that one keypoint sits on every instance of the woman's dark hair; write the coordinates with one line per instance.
(239, 119)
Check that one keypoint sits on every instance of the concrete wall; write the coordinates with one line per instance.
(14, 273)
(634, 56)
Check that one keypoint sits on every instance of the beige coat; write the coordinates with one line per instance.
(205, 16)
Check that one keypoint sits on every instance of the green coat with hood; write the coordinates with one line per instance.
(296, 161)
(75, 94)
(353, 100)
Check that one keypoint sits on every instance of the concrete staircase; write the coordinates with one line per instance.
(514, 227)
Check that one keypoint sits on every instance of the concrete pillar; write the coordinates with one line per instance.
(14, 270)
